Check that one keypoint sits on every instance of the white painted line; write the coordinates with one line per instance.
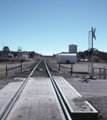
(94, 110)
(91, 107)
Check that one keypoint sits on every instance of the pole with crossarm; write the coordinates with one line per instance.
(93, 36)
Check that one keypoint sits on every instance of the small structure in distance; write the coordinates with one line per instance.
(68, 57)
(24, 57)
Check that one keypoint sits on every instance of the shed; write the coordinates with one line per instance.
(24, 57)
(10, 55)
(67, 58)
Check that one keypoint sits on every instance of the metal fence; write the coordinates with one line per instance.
(100, 71)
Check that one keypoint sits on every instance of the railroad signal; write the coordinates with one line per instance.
(90, 66)
(93, 33)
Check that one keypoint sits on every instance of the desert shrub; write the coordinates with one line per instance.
(1, 53)
(4, 59)
(15, 54)
(96, 59)
(100, 60)
(31, 55)
(1, 60)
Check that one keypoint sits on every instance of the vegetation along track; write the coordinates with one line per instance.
(40, 69)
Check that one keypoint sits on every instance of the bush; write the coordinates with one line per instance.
(4, 59)
(15, 54)
(96, 59)
(31, 55)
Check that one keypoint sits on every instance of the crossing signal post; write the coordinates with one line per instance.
(89, 52)
(93, 36)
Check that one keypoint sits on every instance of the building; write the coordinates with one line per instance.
(24, 57)
(72, 48)
(67, 58)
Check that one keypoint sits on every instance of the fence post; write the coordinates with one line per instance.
(21, 66)
(93, 72)
(99, 73)
(59, 66)
(71, 69)
(6, 70)
(104, 73)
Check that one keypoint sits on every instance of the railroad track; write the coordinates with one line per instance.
(14, 99)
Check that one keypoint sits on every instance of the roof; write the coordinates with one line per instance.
(72, 44)
(62, 54)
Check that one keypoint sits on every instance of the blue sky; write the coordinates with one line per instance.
(50, 26)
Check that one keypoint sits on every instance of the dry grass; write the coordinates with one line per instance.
(4, 59)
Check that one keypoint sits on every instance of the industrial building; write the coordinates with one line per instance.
(67, 58)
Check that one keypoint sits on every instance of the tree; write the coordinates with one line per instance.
(83, 56)
(31, 54)
(6, 50)
(15, 54)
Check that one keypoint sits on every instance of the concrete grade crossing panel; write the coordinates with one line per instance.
(37, 102)
(6, 95)
(80, 109)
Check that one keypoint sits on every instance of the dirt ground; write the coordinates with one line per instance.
(94, 91)
(27, 66)
(80, 69)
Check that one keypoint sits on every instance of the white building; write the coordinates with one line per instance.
(67, 58)
(24, 57)
(72, 48)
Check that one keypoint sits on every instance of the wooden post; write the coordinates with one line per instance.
(6, 70)
(93, 72)
(104, 73)
(99, 73)
(21, 66)
(59, 66)
(71, 69)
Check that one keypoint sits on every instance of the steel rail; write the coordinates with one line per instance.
(67, 115)
(18, 93)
